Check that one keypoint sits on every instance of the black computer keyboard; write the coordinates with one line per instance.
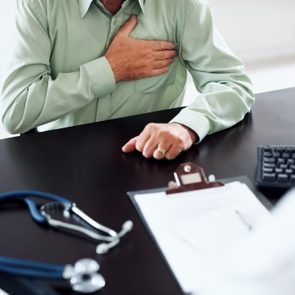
(276, 166)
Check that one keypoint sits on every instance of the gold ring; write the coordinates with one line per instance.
(161, 151)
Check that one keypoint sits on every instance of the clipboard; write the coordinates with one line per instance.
(190, 183)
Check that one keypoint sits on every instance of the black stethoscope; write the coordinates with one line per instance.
(83, 276)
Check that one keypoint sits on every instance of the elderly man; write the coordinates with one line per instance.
(79, 61)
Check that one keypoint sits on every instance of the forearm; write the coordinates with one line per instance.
(226, 91)
(36, 91)
(30, 100)
(220, 106)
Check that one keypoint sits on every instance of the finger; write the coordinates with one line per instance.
(173, 152)
(165, 54)
(129, 26)
(147, 134)
(162, 45)
(162, 64)
(161, 150)
(149, 147)
(159, 154)
(130, 145)
(141, 141)
(157, 72)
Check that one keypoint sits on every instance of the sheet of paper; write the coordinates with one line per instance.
(194, 229)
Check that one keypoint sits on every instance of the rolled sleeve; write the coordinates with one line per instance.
(101, 77)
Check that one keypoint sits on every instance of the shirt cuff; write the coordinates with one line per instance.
(101, 76)
(193, 120)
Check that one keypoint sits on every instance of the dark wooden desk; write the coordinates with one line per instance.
(85, 164)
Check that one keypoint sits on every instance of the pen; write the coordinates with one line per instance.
(243, 220)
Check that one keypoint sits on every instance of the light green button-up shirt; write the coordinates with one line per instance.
(58, 75)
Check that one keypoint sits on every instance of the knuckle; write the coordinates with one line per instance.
(150, 126)
(179, 143)
(164, 134)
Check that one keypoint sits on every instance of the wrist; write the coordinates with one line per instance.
(116, 71)
(192, 134)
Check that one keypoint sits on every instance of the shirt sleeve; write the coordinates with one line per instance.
(30, 96)
(225, 90)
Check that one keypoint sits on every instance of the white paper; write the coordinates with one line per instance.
(194, 229)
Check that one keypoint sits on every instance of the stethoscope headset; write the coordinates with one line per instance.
(83, 275)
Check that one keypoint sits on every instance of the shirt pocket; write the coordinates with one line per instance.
(156, 83)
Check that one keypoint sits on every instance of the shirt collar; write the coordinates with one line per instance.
(85, 5)
(141, 4)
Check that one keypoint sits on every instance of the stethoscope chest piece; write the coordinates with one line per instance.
(84, 276)
(59, 213)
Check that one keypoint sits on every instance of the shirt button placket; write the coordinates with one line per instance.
(113, 29)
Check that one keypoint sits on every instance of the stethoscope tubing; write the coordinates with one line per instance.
(26, 196)
(75, 274)
(32, 269)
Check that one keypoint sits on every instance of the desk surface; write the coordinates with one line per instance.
(85, 164)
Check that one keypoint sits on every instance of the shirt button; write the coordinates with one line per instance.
(115, 22)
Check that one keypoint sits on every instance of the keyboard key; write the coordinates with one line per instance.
(269, 176)
(283, 178)
(289, 171)
(269, 160)
(268, 170)
(269, 165)
(281, 161)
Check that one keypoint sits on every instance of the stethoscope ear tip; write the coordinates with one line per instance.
(127, 226)
(103, 248)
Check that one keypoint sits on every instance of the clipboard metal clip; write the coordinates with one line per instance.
(189, 177)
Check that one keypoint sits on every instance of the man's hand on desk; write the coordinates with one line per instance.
(161, 141)
(133, 59)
